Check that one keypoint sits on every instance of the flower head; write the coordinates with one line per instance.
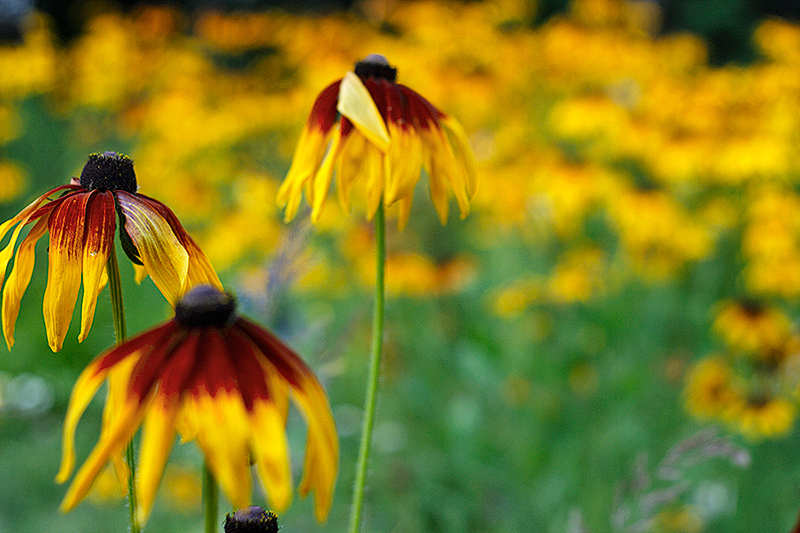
(253, 519)
(81, 218)
(214, 377)
(378, 135)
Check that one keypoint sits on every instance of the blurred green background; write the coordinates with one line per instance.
(607, 341)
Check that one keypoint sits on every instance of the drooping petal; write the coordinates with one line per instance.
(357, 105)
(98, 239)
(82, 393)
(66, 227)
(271, 453)
(19, 278)
(321, 182)
(310, 150)
(33, 211)
(123, 426)
(158, 436)
(322, 448)
(462, 151)
(222, 433)
(165, 259)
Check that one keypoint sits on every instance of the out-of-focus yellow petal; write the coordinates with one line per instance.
(322, 449)
(357, 105)
(111, 443)
(272, 453)
(65, 264)
(19, 278)
(157, 438)
(404, 163)
(374, 172)
(307, 156)
(462, 152)
(99, 236)
(118, 378)
(166, 260)
(82, 393)
(223, 432)
(322, 179)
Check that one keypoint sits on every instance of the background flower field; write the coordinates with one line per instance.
(607, 342)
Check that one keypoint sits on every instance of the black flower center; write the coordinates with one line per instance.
(205, 306)
(109, 171)
(253, 519)
(376, 66)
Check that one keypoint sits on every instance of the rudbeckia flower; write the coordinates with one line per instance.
(378, 135)
(214, 377)
(81, 218)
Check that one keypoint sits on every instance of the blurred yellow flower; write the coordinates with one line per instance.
(749, 325)
(711, 391)
(764, 417)
(381, 134)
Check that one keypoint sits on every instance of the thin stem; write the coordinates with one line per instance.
(374, 373)
(210, 500)
(120, 333)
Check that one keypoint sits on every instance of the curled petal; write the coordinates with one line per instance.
(162, 254)
(19, 278)
(66, 226)
(98, 238)
(357, 105)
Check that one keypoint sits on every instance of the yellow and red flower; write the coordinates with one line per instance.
(378, 135)
(81, 218)
(213, 377)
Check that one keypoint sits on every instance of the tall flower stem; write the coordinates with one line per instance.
(374, 372)
(120, 333)
(210, 500)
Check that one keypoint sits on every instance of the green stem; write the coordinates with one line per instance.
(374, 373)
(210, 500)
(120, 333)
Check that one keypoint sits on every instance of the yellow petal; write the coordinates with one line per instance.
(82, 393)
(357, 105)
(166, 260)
(307, 156)
(111, 443)
(158, 435)
(223, 432)
(65, 265)
(462, 151)
(19, 279)
(322, 449)
(322, 179)
(99, 236)
(404, 163)
(272, 453)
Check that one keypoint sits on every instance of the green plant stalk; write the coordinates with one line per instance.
(120, 333)
(210, 500)
(356, 510)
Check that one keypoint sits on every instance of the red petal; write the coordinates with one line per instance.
(288, 363)
(171, 360)
(249, 373)
(153, 339)
(323, 112)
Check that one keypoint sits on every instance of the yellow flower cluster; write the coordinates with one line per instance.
(587, 118)
(587, 115)
(753, 386)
